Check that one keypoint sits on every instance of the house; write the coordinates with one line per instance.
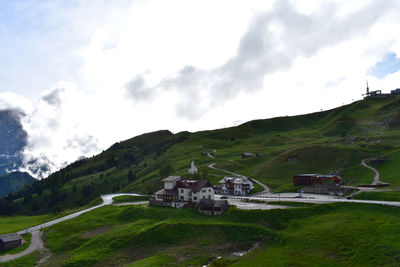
(213, 207)
(10, 241)
(178, 192)
(313, 179)
(236, 185)
(246, 155)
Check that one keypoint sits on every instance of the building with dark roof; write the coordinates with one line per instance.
(10, 241)
(178, 192)
(312, 179)
(213, 207)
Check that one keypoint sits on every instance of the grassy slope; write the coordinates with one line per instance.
(336, 234)
(312, 143)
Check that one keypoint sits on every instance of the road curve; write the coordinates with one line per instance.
(36, 243)
(107, 200)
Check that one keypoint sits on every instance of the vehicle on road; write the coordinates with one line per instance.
(224, 197)
(298, 195)
(349, 197)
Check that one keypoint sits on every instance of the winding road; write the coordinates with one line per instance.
(266, 189)
(36, 243)
(36, 240)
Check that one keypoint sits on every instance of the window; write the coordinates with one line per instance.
(204, 197)
(195, 198)
(181, 197)
(181, 190)
(203, 190)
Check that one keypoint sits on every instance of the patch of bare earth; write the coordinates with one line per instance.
(97, 231)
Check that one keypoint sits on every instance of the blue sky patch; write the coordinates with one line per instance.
(389, 64)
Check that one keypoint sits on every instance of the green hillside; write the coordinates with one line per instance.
(333, 141)
(13, 182)
(320, 235)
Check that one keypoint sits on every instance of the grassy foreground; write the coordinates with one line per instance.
(329, 235)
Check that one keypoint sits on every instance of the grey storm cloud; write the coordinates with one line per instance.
(137, 89)
(272, 43)
(54, 97)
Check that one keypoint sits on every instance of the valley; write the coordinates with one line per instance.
(329, 230)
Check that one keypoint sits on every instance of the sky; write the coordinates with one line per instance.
(88, 74)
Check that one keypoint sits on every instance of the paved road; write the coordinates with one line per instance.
(211, 166)
(377, 177)
(319, 200)
(107, 200)
(131, 203)
(36, 243)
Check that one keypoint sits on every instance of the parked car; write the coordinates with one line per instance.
(348, 197)
(224, 197)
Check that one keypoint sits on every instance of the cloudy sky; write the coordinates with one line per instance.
(91, 73)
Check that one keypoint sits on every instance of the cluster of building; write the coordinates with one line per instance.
(320, 184)
(239, 186)
(179, 192)
(379, 94)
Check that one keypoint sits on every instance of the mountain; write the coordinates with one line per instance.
(333, 141)
(14, 181)
(13, 139)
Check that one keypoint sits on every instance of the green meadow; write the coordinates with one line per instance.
(319, 235)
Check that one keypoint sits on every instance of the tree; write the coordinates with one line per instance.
(166, 169)
(131, 176)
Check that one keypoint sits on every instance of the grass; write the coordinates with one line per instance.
(17, 223)
(27, 238)
(329, 234)
(26, 261)
(386, 196)
(124, 199)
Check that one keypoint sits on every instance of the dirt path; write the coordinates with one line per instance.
(36, 243)
(377, 176)
(266, 189)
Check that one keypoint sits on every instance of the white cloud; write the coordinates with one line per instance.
(188, 65)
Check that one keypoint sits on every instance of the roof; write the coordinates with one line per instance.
(329, 176)
(310, 174)
(195, 185)
(172, 179)
(171, 192)
(10, 237)
(235, 180)
(209, 204)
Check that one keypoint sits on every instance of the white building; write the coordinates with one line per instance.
(236, 185)
(178, 192)
(193, 168)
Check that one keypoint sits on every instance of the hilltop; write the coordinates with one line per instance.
(323, 142)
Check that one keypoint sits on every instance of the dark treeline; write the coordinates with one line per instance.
(50, 194)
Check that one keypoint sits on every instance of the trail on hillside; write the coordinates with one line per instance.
(377, 176)
(266, 189)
